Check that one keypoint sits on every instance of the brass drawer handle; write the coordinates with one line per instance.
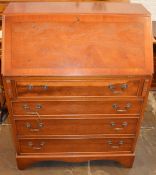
(38, 106)
(38, 147)
(124, 124)
(34, 113)
(45, 87)
(114, 91)
(110, 142)
(115, 146)
(39, 126)
(29, 112)
(30, 87)
(117, 108)
(27, 107)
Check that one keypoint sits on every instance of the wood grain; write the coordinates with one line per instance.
(63, 76)
(74, 43)
(27, 126)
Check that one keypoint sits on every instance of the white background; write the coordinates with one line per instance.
(150, 6)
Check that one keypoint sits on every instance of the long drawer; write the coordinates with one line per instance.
(77, 126)
(69, 145)
(34, 88)
(102, 106)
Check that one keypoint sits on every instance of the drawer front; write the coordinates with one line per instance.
(111, 106)
(104, 87)
(29, 127)
(75, 145)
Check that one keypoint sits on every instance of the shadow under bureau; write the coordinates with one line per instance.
(76, 77)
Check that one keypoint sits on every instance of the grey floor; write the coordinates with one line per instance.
(145, 161)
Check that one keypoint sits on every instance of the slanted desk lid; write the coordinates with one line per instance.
(90, 39)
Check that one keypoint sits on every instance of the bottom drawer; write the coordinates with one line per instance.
(58, 145)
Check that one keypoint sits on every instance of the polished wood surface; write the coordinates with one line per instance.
(71, 106)
(76, 7)
(4, 3)
(83, 87)
(25, 161)
(69, 145)
(96, 115)
(75, 49)
(73, 125)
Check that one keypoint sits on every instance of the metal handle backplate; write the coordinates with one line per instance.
(113, 88)
(27, 108)
(115, 145)
(36, 147)
(30, 87)
(39, 126)
(118, 109)
(123, 125)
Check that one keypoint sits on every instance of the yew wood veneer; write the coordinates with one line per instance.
(76, 77)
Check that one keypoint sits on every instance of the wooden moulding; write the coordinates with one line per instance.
(124, 159)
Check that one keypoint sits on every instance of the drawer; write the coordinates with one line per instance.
(107, 106)
(69, 145)
(56, 88)
(77, 126)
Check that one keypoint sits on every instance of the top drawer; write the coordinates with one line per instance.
(32, 88)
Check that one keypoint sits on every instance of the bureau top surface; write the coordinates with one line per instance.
(75, 7)
(76, 39)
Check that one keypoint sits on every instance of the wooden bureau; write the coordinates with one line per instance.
(76, 77)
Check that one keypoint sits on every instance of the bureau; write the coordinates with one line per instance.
(76, 78)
